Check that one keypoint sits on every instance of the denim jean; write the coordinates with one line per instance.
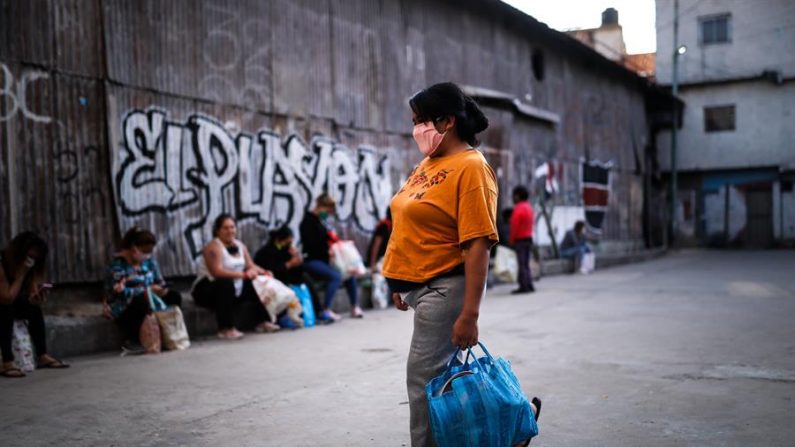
(333, 279)
(524, 248)
(575, 252)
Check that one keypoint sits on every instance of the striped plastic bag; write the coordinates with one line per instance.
(479, 404)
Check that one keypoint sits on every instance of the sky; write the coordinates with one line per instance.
(636, 17)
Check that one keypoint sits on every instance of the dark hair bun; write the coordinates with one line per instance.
(477, 120)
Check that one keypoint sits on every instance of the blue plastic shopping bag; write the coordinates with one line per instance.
(302, 292)
(479, 404)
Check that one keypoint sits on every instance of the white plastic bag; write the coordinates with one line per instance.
(380, 288)
(506, 266)
(173, 332)
(588, 263)
(24, 357)
(277, 298)
(347, 259)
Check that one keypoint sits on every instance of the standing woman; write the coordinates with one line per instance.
(22, 291)
(444, 223)
(223, 281)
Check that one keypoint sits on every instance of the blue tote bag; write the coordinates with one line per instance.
(302, 292)
(479, 404)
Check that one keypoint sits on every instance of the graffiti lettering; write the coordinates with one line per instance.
(200, 169)
(14, 94)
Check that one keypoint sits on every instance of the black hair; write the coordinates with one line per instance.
(18, 250)
(219, 222)
(579, 226)
(281, 233)
(447, 99)
(138, 237)
(521, 193)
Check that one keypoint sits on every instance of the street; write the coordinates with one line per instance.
(695, 348)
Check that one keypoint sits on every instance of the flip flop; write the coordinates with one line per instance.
(537, 402)
(12, 373)
(54, 364)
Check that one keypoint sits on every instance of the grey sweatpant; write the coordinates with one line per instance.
(436, 308)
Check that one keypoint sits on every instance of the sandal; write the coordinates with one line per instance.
(537, 402)
(54, 364)
(12, 373)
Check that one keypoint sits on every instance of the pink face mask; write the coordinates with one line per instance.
(427, 137)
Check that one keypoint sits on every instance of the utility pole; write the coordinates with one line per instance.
(675, 115)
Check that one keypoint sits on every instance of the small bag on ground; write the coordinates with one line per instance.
(588, 263)
(173, 332)
(149, 334)
(24, 357)
(302, 292)
(506, 266)
(380, 291)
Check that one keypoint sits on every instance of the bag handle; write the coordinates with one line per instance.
(469, 353)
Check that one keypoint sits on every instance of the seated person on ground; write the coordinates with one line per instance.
(575, 243)
(132, 274)
(281, 257)
(316, 239)
(22, 292)
(223, 281)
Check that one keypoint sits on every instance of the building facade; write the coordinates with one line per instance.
(165, 114)
(736, 146)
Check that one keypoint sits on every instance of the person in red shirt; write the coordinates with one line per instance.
(521, 237)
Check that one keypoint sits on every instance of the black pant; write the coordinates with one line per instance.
(219, 295)
(133, 315)
(21, 309)
(524, 247)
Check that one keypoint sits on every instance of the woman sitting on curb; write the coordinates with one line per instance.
(316, 240)
(22, 291)
(132, 274)
(223, 281)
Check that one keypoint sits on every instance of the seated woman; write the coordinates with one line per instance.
(315, 239)
(223, 281)
(575, 244)
(281, 257)
(22, 291)
(132, 272)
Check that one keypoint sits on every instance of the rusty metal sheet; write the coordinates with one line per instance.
(214, 50)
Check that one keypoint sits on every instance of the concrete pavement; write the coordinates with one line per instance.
(696, 348)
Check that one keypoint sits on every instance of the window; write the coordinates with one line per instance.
(537, 61)
(714, 29)
(719, 118)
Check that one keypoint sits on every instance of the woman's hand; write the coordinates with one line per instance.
(465, 331)
(106, 311)
(159, 290)
(38, 297)
(250, 274)
(119, 286)
(399, 303)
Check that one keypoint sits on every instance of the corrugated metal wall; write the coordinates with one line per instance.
(72, 70)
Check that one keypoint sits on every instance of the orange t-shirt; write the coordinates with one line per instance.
(445, 202)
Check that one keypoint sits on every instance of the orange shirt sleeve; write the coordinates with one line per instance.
(477, 203)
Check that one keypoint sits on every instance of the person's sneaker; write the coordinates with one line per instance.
(267, 327)
(132, 348)
(330, 315)
(522, 291)
(231, 334)
(357, 312)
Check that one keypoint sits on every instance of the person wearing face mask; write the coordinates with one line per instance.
(444, 223)
(22, 292)
(223, 282)
(132, 274)
(316, 238)
(281, 257)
